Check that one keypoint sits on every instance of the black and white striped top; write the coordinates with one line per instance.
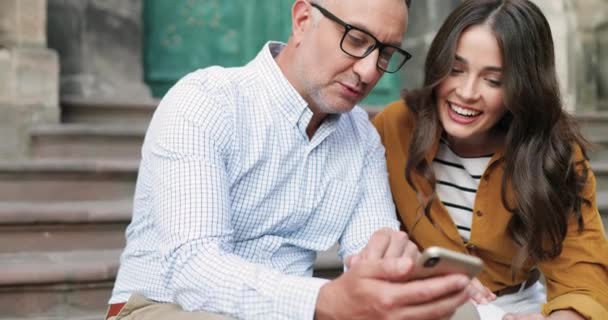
(457, 182)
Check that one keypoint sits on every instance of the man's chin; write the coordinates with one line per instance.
(340, 109)
(342, 106)
(337, 105)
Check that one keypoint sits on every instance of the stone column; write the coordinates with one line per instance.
(100, 46)
(29, 74)
(602, 59)
(560, 17)
(591, 18)
(425, 18)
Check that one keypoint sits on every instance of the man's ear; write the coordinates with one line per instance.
(301, 19)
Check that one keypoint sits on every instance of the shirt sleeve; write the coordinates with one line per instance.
(578, 278)
(375, 208)
(189, 154)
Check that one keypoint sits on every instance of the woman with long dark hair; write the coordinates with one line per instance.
(484, 160)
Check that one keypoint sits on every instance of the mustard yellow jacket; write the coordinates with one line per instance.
(577, 278)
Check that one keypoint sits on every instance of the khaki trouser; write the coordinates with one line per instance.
(140, 308)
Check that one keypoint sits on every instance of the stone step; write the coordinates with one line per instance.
(130, 113)
(600, 170)
(82, 141)
(78, 225)
(63, 226)
(67, 180)
(46, 284)
(594, 124)
(599, 151)
(62, 313)
(87, 141)
(42, 285)
(104, 112)
(119, 129)
(123, 125)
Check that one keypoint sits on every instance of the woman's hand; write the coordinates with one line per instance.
(529, 316)
(557, 315)
(479, 293)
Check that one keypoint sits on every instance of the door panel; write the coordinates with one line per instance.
(184, 35)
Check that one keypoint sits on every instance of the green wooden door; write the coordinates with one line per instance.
(185, 35)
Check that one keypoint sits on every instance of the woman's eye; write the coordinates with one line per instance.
(494, 83)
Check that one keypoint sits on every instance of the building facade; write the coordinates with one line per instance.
(116, 50)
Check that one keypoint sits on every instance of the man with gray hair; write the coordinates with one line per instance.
(248, 172)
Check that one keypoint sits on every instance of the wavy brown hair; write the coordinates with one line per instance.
(540, 136)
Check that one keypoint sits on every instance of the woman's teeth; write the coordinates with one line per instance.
(464, 112)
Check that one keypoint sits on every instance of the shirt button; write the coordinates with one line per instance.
(486, 177)
(471, 246)
(479, 213)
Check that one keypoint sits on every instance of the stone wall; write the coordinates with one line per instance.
(100, 44)
(29, 74)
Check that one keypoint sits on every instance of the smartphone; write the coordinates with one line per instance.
(436, 261)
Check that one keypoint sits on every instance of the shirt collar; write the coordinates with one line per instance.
(498, 155)
(289, 102)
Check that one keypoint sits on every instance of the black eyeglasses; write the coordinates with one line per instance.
(358, 43)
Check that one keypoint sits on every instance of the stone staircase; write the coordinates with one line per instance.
(595, 127)
(63, 213)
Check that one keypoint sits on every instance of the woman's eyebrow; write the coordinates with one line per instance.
(488, 68)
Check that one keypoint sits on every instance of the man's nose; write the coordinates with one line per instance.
(367, 69)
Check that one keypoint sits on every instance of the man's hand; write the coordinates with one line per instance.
(530, 316)
(388, 243)
(363, 292)
(375, 286)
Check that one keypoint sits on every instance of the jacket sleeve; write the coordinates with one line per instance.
(578, 278)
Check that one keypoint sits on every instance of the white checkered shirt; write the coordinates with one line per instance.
(233, 200)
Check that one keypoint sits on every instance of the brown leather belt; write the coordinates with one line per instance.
(114, 310)
(532, 279)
